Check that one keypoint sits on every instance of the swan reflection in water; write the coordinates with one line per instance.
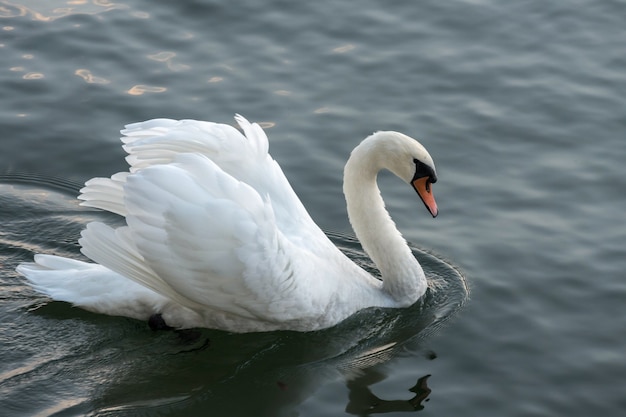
(362, 401)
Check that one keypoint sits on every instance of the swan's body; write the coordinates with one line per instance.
(216, 237)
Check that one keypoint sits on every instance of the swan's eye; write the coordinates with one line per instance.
(422, 170)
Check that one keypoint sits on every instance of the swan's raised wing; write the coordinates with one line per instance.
(212, 222)
(244, 158)
(208, 241)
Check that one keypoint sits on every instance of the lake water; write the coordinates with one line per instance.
(522, 105)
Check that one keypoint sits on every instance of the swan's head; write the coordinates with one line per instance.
(406, 158)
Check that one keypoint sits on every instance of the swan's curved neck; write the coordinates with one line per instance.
(403, 277)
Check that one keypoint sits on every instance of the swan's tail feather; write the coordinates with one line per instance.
(91, 286)
(51, 275)
(115, 249)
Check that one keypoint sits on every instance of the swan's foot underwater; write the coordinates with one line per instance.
(157, 323)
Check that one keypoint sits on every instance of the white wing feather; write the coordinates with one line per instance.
(211, 222)
(245, 158)
(105, 193)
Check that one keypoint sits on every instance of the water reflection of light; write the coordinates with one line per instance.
(140, 14)
(167, 56)
(61, 405)
(21, 370)
(162, 56)
(29, 75)
(86, 75)
(33, 76)
(343, 49)
(215, 79)
(47, 11)
(140, 89)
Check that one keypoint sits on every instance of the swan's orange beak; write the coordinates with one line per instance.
(423, 188)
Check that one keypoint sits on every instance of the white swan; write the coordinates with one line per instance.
(216, 237)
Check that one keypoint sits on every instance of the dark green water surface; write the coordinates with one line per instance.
(522, 104)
